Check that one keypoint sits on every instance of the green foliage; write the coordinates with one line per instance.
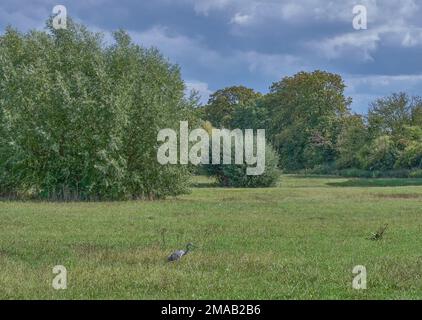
(390, 115)
(252, 115)
(79, 120)
(223, 103)
(352, 137)
(381, 154)
(306, 112)
(235, 175)
(307, 119)
(411, 157)
(411, 143)
(416, 174)
(417, 115)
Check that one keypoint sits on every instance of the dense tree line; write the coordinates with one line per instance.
(79, 120)
(310, 124)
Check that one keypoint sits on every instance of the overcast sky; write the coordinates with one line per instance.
(220, 43)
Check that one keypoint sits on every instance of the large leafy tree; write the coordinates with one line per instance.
(224, 103)
(306, 112)
(79, 120)
(390, 115)
(251, 115)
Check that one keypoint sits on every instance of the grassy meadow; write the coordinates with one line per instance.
(299, 240)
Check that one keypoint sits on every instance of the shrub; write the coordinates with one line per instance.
(233, 175)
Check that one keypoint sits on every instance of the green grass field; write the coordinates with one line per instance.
(300, 240)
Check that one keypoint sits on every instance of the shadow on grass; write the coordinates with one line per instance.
(377, 183)
(314, 176)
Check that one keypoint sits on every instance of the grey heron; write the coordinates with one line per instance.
(177, 255)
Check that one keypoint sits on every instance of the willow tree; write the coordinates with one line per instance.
(79, 119)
